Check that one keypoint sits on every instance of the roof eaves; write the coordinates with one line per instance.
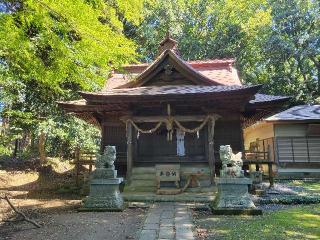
(118, 96)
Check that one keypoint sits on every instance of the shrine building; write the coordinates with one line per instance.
(173, 111)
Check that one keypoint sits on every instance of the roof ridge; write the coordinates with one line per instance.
(218, 61)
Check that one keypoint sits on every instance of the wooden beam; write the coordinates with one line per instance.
(129, 151)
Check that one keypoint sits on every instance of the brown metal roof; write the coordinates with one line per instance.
(180, 92)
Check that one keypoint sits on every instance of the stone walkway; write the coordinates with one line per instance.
(168, 220)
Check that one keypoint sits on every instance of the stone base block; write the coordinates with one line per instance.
(104, 196)
(104, 173)
(112, 202)
(233, 194)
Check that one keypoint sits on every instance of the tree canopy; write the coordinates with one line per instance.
(50, 50)
(275, 42)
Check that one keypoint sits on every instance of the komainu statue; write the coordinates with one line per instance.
(231, 163)
(104, 184)
(106, 160)
(233, 196)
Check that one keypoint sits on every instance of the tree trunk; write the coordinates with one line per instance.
(15, 150)
(41, 146)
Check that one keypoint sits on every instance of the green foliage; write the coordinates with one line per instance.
(275, 42)
(203, 28)
(4, 151)
(50, 50)
(293, 49)
(68, 134)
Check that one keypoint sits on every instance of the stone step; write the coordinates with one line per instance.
(143, 170)
(133, 189)
(211, 189)
(143, 176)
(143, 183)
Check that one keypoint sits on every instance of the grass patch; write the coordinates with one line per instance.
(294, 223)
(311, 186)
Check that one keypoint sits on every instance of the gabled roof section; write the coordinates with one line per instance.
(174, 61)
(219, 70)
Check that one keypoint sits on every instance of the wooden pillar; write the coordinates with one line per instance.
(129, 151)
(211, 157)
(270, 164)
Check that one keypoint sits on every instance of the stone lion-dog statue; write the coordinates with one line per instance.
(231, 163)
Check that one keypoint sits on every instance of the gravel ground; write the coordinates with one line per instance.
(80, 226)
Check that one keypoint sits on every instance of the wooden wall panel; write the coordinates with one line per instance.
(116, 136)
(314, 149)
(155, 147)
(284, 150)
(228, 133)
(298, 149)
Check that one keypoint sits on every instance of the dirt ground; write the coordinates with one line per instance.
(74, 225)
(39, 199)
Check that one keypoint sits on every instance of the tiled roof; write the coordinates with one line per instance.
(217, 70)
(117, 80)
(301, 112)
(261, 98)
(172, 89)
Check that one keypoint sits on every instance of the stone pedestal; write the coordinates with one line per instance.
(104, 191)
(233, 193)
(256, 187)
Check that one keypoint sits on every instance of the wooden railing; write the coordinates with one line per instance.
(83, 159)
(256, 158)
